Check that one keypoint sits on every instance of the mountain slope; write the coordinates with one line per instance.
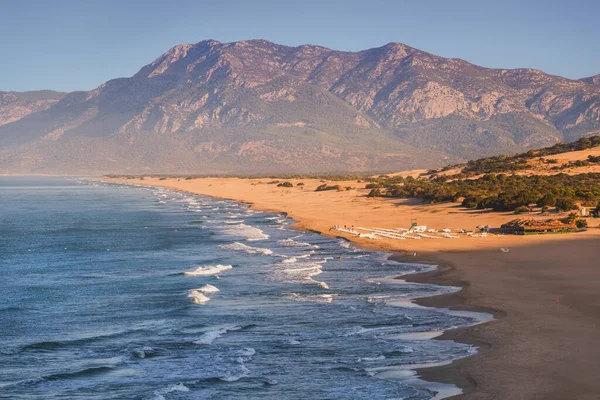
(255, 106)
(17, 105)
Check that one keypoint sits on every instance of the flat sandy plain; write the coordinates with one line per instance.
(544, 292)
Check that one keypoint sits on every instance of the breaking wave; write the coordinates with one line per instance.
(208, 270)
(247, 249)
(251, 233)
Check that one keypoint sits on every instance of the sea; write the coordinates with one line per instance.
(112, 291)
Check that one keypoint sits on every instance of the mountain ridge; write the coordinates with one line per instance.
(307, 108)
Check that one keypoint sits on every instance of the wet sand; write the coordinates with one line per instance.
(544, 292)
(544, 342)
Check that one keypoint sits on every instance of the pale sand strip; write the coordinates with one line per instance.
(319, 211)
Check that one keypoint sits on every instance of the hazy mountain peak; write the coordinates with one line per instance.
(594, 80)
(203, 107)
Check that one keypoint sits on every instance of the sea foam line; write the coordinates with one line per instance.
(209, 270)
(251, 233)
(247, 249)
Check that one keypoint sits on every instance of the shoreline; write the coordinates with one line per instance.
(456, 301)
(542, 343)
(465, 373)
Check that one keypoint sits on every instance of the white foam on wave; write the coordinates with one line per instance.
(210, 336)
(246, 352)
(306, 255)
(144, 352)
(240, 370)
(208, 289)
(312, 298)
(234, 221)
(198, 296)
(377, 358)
(247, 249)
(407, 374)
(180, 387)
(345, 244)
(294, 243)
(251, 233)
(208, 270)
(427, 335)
(233, 377)
(302, 273)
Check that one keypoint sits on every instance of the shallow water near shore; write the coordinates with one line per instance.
(115, 291)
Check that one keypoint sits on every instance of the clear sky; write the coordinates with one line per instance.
(78, 44)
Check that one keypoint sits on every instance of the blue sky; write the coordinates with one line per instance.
(79, 44)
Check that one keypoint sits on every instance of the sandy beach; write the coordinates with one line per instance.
(543, 291)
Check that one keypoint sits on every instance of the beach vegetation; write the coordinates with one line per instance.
(324, 187)
(499, 192)
(521, 161)
(374, 193)
(521, 209)
(572, 217)
(565, 204)
(286, 184)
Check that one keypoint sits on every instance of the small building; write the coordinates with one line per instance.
(522, 226)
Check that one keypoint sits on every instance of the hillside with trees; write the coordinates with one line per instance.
(492, 183)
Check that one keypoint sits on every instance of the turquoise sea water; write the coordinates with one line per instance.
(122, 292)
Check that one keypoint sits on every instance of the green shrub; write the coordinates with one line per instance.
(565, 204)
(324, 187)
(594, 159)
(547, 200)
(374, 193)
(469, 202)
(521, 209)
(286, 184)
(572, 217)
(581, 223)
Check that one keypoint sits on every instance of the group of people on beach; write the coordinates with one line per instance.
(339, 228)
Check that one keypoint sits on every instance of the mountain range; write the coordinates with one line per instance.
(259, 107)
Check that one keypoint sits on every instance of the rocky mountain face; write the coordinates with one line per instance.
(15, 105)
(593, 80)
(256, 107)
